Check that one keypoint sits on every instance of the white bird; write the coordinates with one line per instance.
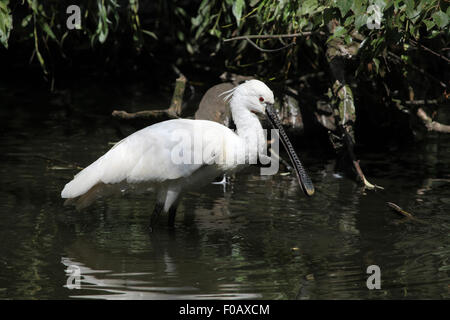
(177, 155)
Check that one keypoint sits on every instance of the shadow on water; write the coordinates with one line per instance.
(260, 238)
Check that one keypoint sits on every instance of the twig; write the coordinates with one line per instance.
(146, 114)
(399, 103)
(399, 210)
(430, 124)
(269, 50)
(404, 213)
(422, 71)
(275, 36)
(429, 50)
(421, 102)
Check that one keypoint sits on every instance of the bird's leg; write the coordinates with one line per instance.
(171, 204)
(223, 182)
(172, 214)
(155, 214)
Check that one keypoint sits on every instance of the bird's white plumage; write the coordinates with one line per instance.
(147, 156)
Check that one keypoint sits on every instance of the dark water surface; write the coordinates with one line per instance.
(258, 239)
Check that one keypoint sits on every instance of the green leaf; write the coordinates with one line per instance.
(196, 21)
(215, 32)
(360, 21)
(344, 6)
(180, 35)
(103, 21)
(434, 33)
(189, 48)
(377, 64)
(358, 7)
(381, 4)
(103, 35)
(309, 6)
(409, 5)
(338, 32)
(151, 34)
(348, 39)
(429, 24)
(440, 18)
(49, 31)
(349, 21)
(5, 22)
(237, 9)
(26, 20)
(411, 12)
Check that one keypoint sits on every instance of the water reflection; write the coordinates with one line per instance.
(260, 238)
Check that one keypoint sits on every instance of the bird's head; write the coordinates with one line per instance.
(256, 97)
(253, 95)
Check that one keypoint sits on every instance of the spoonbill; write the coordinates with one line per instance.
(155, 157)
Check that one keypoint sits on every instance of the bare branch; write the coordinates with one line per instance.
(146, 114)
(173, 112)
(430, 124)
(269, 50)
(417, 102)
(422, 71)
(275, 36)
(429, 50)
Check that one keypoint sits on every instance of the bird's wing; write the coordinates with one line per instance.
(164, 151)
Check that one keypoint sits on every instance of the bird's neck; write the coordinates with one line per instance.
(249, 129)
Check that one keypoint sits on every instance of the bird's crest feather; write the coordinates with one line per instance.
(228, 94)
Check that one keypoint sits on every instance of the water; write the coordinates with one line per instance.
(260, 238)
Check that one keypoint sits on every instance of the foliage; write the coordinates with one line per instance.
(195, 29)
(43, 24)
(400, 22)
(5, 22)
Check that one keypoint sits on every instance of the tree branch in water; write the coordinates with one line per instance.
(173, 112)
(430, 124)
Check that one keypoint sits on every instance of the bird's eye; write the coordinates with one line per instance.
(261, 99)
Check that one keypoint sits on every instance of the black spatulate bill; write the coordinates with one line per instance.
(302, 177)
